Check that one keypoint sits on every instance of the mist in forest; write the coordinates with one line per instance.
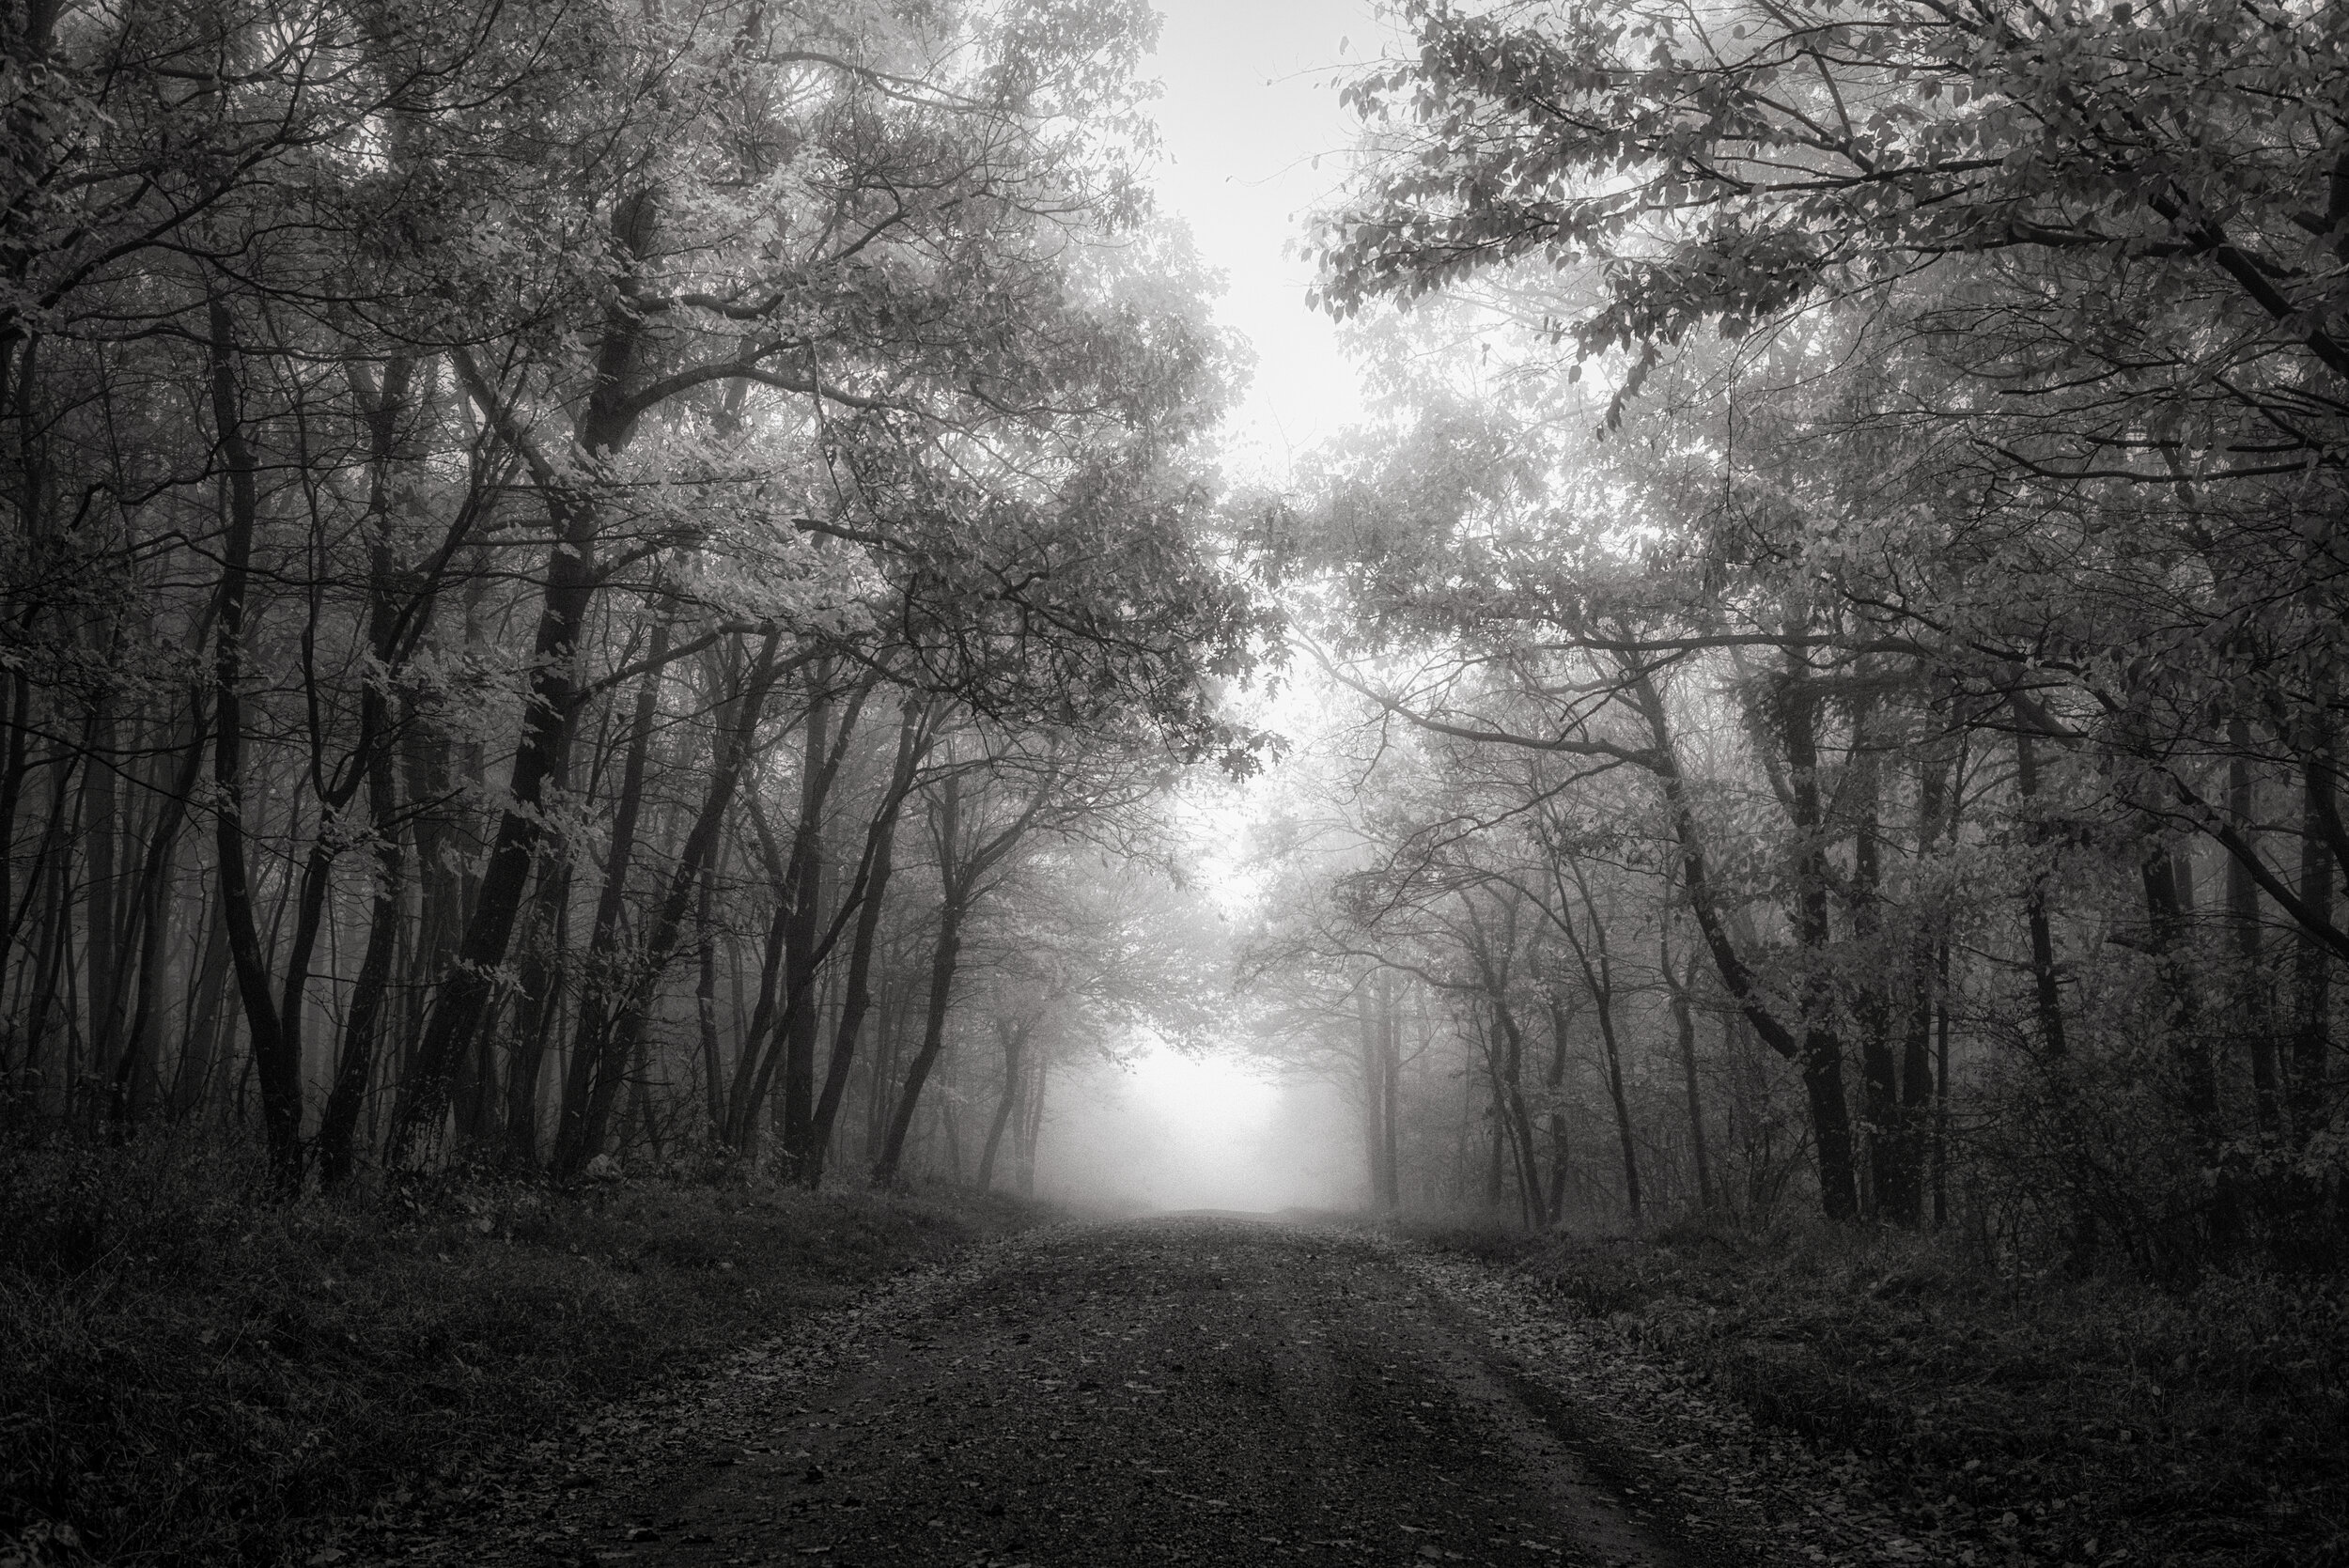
(1170, 1131)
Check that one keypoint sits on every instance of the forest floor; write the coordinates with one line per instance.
(1207, 1390)
(1202, 1389)
(191, 1375)
(686, 1376)
(1869, 1397)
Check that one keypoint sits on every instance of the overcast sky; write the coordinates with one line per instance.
(1247, 109)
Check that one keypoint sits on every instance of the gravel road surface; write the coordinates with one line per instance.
(1190, 1389)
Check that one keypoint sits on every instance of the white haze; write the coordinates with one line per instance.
(1254, 140)
(1174, 1132)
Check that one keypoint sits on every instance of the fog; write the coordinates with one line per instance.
(1170, 1131)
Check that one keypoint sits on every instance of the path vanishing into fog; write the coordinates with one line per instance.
(1189, 1390)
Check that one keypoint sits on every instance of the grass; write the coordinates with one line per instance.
(191, 1374)
(2051, 1420)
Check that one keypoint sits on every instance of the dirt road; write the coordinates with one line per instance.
(1181, 1390)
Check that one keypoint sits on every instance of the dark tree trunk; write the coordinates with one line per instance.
(1891, 1177)
(1031, 1124)
(2313, 960)
(1822, 1048)
(1556, 1082)
(191, 1080)
(1014, 1041)
(276, 1055)
(2252, 1019)
(706, 1003)
(539, 770)
(857, 994)
(135, 1061)
(604, 984)
(733, 746)
(2045, 988)
(555, 691)
(1920, 1082)
(944, 956)
(1816, 1051)
(100, 833)
(1684, 1027)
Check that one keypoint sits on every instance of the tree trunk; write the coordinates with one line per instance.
(800, 959)
(857, 996)
(2046, 990)
(1817, 1052)
(2252, 1019)
(1920, 1082)
(603, 983)
(1821, 1049)
(1891, 1181)
(2312, 961)
(136, 1063)
(1684, 1027)
(556, 691)
(1556, 1082)
(706, 1003)
(944, 959)
(732, 755)
(276, 1059)
(1369, 1030)
(191, 1079)
(1032, 1123)
(1012, 1041)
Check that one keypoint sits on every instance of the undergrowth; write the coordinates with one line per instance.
(192, 1373)
(2053, 1420)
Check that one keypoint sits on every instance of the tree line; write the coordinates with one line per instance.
(585, 577)
(1846, 598)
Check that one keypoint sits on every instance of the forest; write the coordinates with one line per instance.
(602, 592)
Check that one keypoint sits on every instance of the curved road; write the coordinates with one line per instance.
(1194, 1390)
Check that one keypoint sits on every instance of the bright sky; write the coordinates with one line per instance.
(1247, 109)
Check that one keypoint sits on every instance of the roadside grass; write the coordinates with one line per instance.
(190, 1373)
(1997, 1419)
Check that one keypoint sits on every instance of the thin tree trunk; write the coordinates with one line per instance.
(1822, 1049)
(732, 755)
(1822, 1068)
(857, 995)
(1920, 1084)
(1891, 1178)
(706, 1003)
(275, 1055)
(1013, 1042)
(1369, 1029)
(2045, 991)
(2252, 1019)
(944, 959)
(199, 1041)
(135, 1062)
(1555, 1209)
(1685, 1027)
(1032, 1123)
(2312, 961)
(363, 1030)
(104, 917)
(603, 981)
